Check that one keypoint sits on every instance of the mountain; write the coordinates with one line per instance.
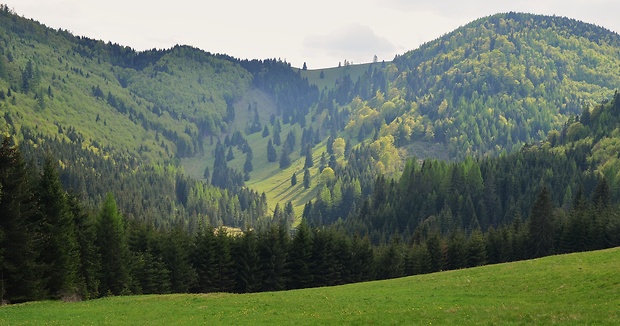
(124, 172)
(111, 114)
(119, 120)
(485, 88)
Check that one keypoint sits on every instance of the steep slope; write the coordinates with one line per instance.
(487, 87)
(117, 119)
(484, 90)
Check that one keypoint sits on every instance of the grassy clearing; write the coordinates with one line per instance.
(576, 289)
(266, 177)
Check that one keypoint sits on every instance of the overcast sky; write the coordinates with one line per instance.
(321, 33)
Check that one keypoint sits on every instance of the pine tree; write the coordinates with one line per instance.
(224, 276)
(272, 156)
(203, 260)
(476, 249)
(456, 255)
(309, 162)
(19, 272)
(60, 252)
(176, 255)
(247, 263)
(247, 166)
(542, 225)
(300, 253)
(306, 179)
(285, 160)
(273, 249)
(294, 179)
(113, 250)
(86, 233)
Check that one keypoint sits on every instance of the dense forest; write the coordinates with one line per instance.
(178, 170)
(55, 248)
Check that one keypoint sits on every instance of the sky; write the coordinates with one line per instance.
(321, 33)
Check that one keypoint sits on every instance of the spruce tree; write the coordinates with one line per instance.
(85, 231)
(285, 160)
(203, 260)
(306, 179)
(60, 252)
(294, 179)
(273, 248)
(542, 225)
(19, 271)
(272, 156)
(300, 253)
(309, 162)
(247, 263)
(113, 249)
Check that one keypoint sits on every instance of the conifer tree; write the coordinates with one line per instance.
(247, 263)
(273, 249)
(19, 271)
(542, 225)
(272, 156)
(85, 232)
(306, 179)
(113, 250)
(203, 260)
(60, 254)
(476, 249)
(224, 276)
(300, 253)
(309, 162)
(230, 156)
(285, 160)
(294, 179)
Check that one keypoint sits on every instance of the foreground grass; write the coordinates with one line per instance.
(574, 289)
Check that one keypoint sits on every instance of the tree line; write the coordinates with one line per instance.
(52, 247)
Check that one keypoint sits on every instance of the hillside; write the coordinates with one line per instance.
(568, 289)
(118, 120)
(484, 89)
(487, 87)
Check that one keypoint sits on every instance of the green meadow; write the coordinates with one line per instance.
(574, 289)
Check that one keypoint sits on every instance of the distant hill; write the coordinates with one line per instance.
(484, 89)
(118, 120)
(487, 87)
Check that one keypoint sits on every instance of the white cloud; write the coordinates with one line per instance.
(354, 42)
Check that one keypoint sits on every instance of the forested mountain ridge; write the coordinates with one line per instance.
(94, 201)
(118, 119)
(487, 87)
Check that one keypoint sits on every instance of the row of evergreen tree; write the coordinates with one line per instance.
(51, 247)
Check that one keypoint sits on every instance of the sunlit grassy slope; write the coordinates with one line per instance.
(266, 177)
(575, 289)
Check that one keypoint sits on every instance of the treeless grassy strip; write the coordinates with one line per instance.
(577, 289)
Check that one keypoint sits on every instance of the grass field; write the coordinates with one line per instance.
(575, 289)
